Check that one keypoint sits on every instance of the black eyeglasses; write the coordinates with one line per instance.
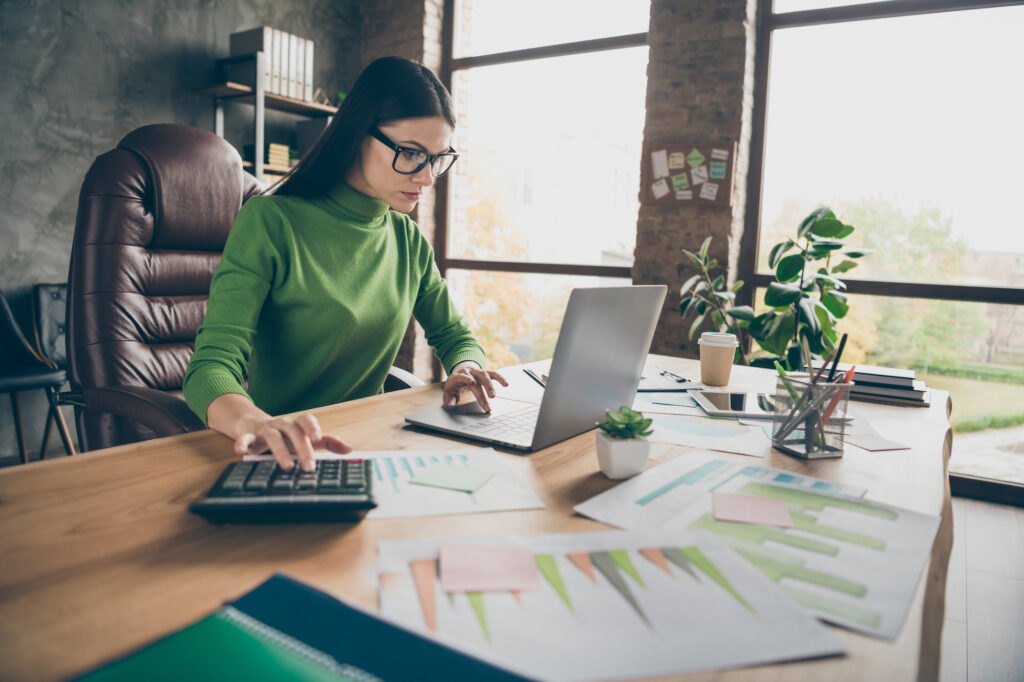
(409, 160)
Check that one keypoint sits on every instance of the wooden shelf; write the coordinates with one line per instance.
(244, 93)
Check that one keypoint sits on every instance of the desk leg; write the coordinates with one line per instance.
(934, 612)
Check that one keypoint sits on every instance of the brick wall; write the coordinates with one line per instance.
(699, 88)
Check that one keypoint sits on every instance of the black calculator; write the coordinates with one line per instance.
(263, 492)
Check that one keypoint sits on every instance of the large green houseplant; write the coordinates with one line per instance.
(805, 301)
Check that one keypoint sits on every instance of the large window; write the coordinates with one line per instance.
(907, 122)
(550, 98)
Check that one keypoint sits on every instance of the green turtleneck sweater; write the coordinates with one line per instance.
(311, 301)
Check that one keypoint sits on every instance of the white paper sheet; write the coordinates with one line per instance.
(608, 610)
(849, 561)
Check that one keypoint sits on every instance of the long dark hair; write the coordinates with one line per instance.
(389, 89)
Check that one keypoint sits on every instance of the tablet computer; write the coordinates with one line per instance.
(735, 404)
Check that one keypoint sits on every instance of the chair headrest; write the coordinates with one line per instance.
(198, 184)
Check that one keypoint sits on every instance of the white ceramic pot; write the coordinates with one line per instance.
(621, 458)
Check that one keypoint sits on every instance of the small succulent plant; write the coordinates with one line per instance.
(625, 423)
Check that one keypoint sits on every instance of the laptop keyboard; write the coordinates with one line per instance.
(517, 425)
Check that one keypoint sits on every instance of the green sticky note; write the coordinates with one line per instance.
(694, 158)
(718, 170)
(452, 477)
(680, 182)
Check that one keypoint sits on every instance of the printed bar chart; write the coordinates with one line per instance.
(611, 604)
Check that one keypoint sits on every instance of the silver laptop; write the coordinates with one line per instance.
(602, 346)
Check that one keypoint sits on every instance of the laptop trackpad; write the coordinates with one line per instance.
(473, 409)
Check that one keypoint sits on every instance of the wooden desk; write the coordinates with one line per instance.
(100, 555)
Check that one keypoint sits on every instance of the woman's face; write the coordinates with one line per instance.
(373, 174)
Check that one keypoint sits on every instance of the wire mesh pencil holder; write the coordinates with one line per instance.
(810, 418)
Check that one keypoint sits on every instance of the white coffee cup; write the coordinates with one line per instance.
(716, 354)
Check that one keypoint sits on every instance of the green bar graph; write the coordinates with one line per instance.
(777, 570)
(622, 560)
(758, 534)
(809, 524)
(476, 600)
(840, 609)
(809, 500)
(704, 564)
(549, 569)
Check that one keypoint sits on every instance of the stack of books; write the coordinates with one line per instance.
(274, 154)
(277, 154)
(885, 385)
(287, 61)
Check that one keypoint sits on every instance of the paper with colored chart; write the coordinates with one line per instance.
(849, 561)
(660, 494)
(611, 605)
(397, 497)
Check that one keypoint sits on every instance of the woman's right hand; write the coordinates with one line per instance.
(254, 431)
(285, 435)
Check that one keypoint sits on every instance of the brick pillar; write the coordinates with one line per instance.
(699, 88)
(410, 29)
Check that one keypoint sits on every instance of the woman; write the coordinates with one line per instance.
(317, 282)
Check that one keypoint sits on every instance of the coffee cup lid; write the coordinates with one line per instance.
(722, 339)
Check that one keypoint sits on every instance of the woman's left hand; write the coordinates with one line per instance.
(467, 376)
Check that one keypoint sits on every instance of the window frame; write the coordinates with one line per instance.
(768, 21)
(449, 66)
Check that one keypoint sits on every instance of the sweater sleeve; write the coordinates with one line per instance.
(239, 287)
(446, 331)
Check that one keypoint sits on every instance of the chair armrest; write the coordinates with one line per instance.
(161, 413)
(398, 379)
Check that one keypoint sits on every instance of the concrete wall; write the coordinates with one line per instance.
(78, 76)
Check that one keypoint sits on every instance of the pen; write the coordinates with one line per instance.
(679, 379)
(536, 377)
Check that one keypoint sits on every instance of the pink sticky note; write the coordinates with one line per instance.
(751, 509)
(466, 568)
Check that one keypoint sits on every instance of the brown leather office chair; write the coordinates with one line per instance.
(153, 216)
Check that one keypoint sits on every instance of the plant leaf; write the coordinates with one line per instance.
(781, 295)
(827, 227)
(702, 306)
(743, 312)
(719, 281)
(694, 258)
(836, 305)
(845, 232)
(737, 286)
(808, 223)
(857, 253)
(704, 248)
(829, 280)
(844, 266)
(780, 333)
(807, 315)
(697, 322)
(689, 283)
(789, 268)
(684, 305)
(778, 250)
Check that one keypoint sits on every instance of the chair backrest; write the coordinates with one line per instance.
(49, 314)
(16, 353)
(153, 216)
